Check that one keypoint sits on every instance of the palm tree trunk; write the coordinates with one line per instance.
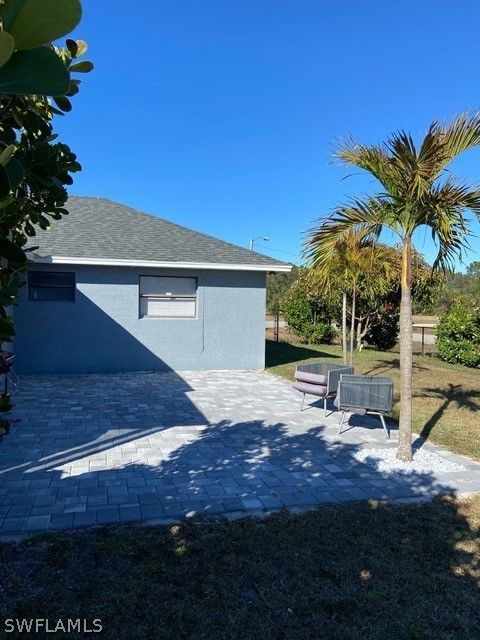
(404, 451)
(359, 334)
(352, 324)
(344, 327)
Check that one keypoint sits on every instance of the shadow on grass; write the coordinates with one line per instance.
(454, 394)
(384, 365)
(277, 353)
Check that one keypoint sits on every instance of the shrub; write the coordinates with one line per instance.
(458, 337)
(317, 333)
(383, 333)
(306, 317)
(296, 310)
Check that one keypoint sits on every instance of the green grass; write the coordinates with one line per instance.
(446, 398)
(358, 570)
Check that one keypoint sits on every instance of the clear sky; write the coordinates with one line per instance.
(221, 115)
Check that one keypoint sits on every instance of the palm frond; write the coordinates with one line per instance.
(415, 191)
(451, 195)
(402, 150)
(365, 218)
(442, 144)
(451, 245)
(431, 152)
(373, 159)
(413, 177)
(443, 211)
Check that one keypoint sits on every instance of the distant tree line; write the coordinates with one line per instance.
(443, 292)
(456, 289)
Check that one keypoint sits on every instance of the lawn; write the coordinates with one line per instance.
(358, 570)
(446, 403)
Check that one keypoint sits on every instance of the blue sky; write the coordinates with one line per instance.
(222, 115)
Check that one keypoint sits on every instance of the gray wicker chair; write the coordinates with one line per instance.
(319, 379)
(365, 394)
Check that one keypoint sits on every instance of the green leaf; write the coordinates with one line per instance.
(63, 103)
(56, 111)
(29, 229)
(7, 153)
(82, 67)
(5, 202)
(35, 22)
(7, 134)
(43, 222)
(7, 329)
(15, 172)
(11, 251)
(7, 45)
(73, 89)
(82, 48)
(36, 71)
(4, 183)
(72, 46)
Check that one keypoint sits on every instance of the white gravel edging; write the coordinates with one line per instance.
(385, 461)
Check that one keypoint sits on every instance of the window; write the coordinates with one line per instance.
(167, 297)
(51, 285)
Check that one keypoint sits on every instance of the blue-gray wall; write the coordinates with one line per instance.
(102, 332)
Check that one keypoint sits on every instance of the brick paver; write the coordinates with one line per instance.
(98, 449)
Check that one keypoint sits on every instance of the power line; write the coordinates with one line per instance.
(297, 255)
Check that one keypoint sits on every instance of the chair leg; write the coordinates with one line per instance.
(384, 425)
(342, 418)
(325, 406)
(303, 400)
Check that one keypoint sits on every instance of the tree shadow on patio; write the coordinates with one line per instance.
(240, 467)
(323, 572)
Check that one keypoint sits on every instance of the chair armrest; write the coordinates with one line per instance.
(334, 376)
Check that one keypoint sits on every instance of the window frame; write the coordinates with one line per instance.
(159, 297)
(31, 287)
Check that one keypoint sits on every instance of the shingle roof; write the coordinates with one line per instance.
(97, 228)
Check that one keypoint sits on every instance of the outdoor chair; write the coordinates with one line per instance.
(319, 379)
(364, 395)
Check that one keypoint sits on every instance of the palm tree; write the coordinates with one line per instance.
(415, 191)
(356, 265)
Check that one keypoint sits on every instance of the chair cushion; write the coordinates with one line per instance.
(312, 389)
(308, 376)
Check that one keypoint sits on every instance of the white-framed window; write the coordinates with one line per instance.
(168, 297)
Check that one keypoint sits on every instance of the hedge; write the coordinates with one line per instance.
(458, 337)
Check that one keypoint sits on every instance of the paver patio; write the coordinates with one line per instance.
(95, 449)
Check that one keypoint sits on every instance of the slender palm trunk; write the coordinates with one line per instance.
(344, 327)
(404, 451)
(352, 324)
(360, 334)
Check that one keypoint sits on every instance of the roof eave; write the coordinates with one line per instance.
(116, 262)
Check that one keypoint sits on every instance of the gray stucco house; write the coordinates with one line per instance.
(112, 289)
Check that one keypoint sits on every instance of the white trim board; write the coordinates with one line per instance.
(113, 262)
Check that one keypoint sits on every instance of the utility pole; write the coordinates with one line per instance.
(253, 240)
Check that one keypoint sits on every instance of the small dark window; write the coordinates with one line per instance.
(51, 285)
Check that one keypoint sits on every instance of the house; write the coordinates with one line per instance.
(112, 289)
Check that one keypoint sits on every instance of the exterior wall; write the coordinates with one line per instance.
(102, 331)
